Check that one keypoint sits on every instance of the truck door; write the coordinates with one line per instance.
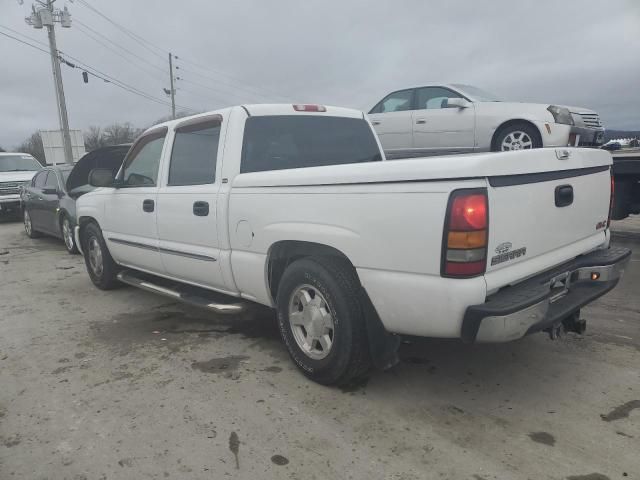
(187, 201)
(130, 214)
(438, 129)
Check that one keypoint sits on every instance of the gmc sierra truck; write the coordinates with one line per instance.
(295, 207)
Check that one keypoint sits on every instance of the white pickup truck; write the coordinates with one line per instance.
(294, 207)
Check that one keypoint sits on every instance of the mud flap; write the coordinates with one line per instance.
(383, 346)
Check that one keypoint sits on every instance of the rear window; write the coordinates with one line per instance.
(299, 141)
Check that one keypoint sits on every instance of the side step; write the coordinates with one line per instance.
(196, 296)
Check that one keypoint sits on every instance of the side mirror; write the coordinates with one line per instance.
(101, 177)
(49, 191)
(457, 103)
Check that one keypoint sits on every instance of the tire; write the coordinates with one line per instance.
(100, 265)
(328, 286)
(67, 235)
(517, 136)
(28, 225)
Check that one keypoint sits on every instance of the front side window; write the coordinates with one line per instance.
(298, 141)
(194, 154)
(141, 167)
(395, 102)
(434, 97)
(52, 180)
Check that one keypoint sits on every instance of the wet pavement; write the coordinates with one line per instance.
(126, 384)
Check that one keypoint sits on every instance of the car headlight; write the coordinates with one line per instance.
(561, 114)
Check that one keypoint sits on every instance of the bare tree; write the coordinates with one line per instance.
(93, 138)
(33, 146)
(119, 133)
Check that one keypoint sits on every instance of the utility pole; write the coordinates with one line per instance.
(173, 90)
(46, 15)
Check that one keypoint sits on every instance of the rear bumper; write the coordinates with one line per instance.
(546, 299)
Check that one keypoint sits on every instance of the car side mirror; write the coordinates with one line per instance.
(49, 191)
(457, 103)
(101, 177)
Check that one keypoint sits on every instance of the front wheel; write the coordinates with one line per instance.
(67, 235)
(518, 136)
(100, 265)
(28, 225)
(321, 320)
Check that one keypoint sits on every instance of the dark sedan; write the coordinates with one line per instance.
(49, 200)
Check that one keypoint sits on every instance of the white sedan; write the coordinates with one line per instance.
(454, 118)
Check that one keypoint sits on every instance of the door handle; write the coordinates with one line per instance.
(201, 209)
(421, 121)
(564, 195)
(375, 122)
(148, 205)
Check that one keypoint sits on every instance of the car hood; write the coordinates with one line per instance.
(581, 110)
(17, 176)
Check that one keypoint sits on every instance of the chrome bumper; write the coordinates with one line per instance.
(546, 299)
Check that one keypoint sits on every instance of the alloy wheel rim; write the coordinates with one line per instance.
(95, 256)
(311, 322)
(67, 234)
(517, 140)
(27, 222)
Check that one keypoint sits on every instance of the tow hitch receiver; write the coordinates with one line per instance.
(573, 323)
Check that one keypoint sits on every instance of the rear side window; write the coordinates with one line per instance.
(299, 141)
(194, 154)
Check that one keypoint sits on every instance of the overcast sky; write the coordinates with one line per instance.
(346, 52)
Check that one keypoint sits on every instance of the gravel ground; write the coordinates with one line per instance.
(128, 385)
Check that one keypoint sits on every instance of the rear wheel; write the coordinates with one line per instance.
(67, 235)
(28, 225)
(518, 136)
(321, 320)
(100, 265)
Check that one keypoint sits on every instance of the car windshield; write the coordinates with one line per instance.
(477, 93)
(18, 163)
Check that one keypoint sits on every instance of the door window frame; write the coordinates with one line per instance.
(139, 144)
(49, 173)
(412, 102)
(191, 125)
(42, 173)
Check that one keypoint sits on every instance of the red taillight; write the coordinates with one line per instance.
(611, 199)
(298, 107)
(469, 212)
(464, 249)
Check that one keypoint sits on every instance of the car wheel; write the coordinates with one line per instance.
(518, 136)
(67, 235)
(100, 265)
(321, 320)
(28, 225)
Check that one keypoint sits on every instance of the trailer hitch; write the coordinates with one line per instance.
(572, 323)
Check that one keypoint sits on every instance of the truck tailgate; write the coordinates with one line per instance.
(539, 220)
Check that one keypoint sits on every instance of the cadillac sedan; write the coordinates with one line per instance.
(454, 118)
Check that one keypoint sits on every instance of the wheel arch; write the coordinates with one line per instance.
(284, 252)
(509, 123)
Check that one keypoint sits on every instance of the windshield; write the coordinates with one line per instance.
(476, 93)
(18, 163)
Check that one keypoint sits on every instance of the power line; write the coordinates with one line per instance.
(124, 49)
(144, 43)
(98, 74)
(127, 59)
(26, 43)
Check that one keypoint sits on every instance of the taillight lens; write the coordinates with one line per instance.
(611, 199)
(464, 249)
